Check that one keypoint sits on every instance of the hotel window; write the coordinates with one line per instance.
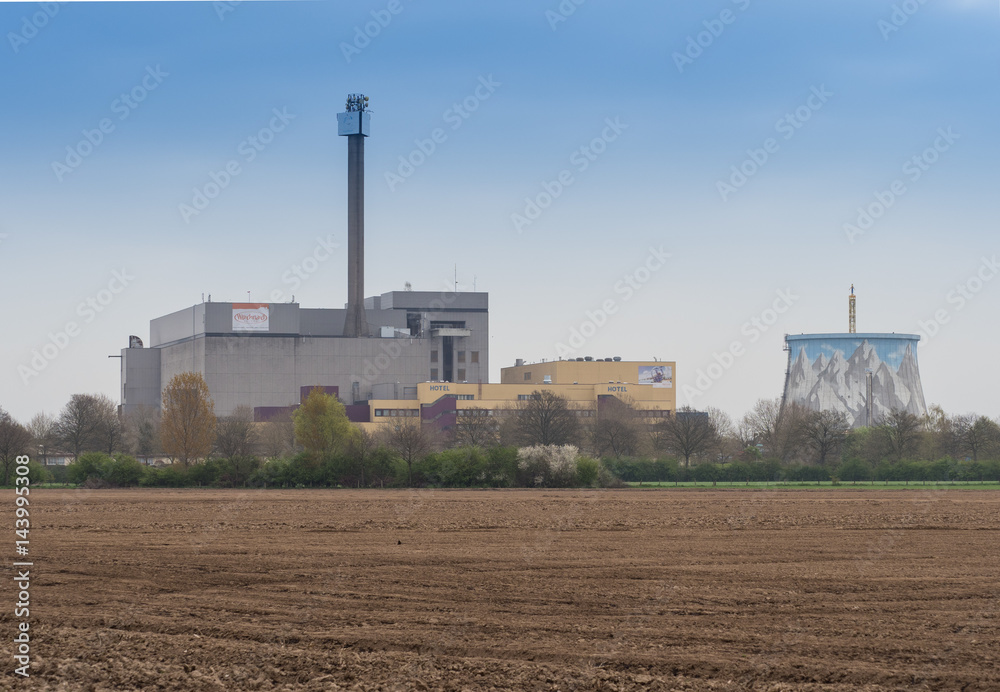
(461, 374)
(474, 357)
(461, 357)
(527, 376)
(434, 356)
(434, 374)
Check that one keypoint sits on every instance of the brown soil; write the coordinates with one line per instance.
(525, 590)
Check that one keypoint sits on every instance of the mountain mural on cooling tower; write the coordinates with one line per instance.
(833, 383)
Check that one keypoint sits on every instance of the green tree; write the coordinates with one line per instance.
(321, 425)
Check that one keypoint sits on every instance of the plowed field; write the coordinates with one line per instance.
(533, 590)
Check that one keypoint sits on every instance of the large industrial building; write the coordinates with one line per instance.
(263, 355)
(863, 376)
(404, 353)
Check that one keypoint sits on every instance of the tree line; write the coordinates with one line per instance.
(612, 442)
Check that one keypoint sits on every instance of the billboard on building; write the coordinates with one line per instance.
(656, 375)
(250, 317)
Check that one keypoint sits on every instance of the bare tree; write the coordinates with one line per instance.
(79, 425)
(900, 431)
(362, 450)
(15, 440)
(235, 434)
(142, 431)
(726, 443)
(618, 430)
(824, 433)
(976, 436)
(544, 418)
(43, 435)
(687, 433)
(408, 438)
(778, 428)
(476, 427)
(277, 436)
(110, 432)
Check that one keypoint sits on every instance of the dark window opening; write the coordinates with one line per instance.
(413, 323)
(449, 358)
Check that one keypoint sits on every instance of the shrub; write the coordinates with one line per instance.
(550, 466)
(587, 471)
(121, 471)
(88, 465)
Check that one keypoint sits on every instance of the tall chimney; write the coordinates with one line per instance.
(354, 124)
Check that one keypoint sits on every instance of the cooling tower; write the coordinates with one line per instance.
(829, 372)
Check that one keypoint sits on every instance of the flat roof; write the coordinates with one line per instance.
(856, 335)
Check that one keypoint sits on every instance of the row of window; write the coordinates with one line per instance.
(461, 375)
(413, 413)
(460, 356)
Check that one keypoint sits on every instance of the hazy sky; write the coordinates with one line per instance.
(555, 152)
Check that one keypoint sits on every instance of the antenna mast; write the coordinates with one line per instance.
(851, 326)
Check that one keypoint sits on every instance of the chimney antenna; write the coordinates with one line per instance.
(354, 124)
(851, 326)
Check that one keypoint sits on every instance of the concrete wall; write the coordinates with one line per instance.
(269, 371)
(182, 324)
(140, 378)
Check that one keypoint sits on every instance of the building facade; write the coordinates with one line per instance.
(266, 355)
(585, 384)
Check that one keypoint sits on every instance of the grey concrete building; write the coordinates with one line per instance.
(267, 355)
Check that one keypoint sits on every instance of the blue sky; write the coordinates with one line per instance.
(866, 92)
